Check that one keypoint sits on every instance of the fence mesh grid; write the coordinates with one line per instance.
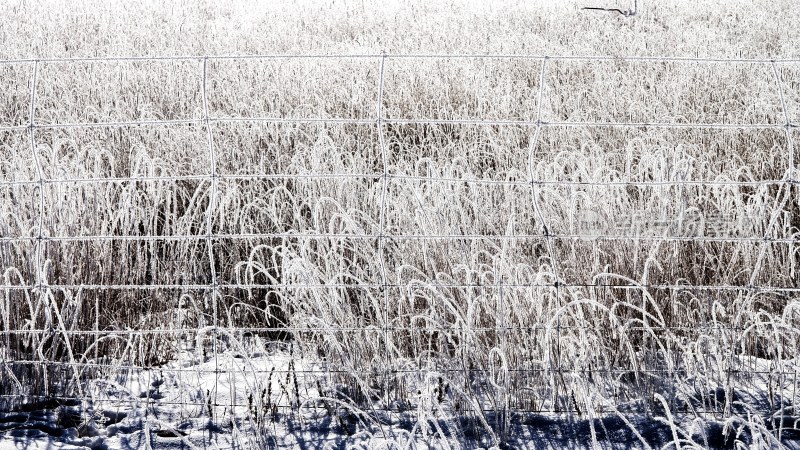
(385, 286)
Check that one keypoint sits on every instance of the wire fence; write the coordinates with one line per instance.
(383, 235)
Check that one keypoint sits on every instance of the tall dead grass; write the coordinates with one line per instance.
(569, 268)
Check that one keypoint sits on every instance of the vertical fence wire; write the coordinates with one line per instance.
(554, 356)
(787, 123)
(790, 186)
(38, 270)
(54, 326)
(787, 185)
(382, 229)
(209, 236)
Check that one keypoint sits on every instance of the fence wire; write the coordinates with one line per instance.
(383, 235)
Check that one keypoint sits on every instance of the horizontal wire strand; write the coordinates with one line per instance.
(378, 176)
(403, 237)
(562, 369)
(367, 56)
(408, 285)
(316, 441)
(378, 329)
(389, 121)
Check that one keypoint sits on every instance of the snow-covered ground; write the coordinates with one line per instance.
(242, 397)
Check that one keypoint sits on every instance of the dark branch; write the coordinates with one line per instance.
(624, 13)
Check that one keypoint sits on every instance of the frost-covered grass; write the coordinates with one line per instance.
(642, 290)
